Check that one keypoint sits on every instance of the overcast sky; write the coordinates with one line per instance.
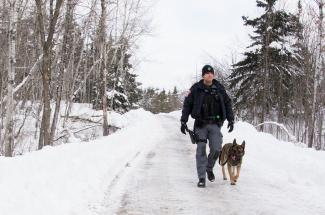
(187, 32)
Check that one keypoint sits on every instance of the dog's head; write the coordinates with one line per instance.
(237, 151)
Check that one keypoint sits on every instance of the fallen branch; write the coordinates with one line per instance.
(110, 127)
(82, 119)
(292, 138)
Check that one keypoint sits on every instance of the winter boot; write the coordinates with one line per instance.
(210, 175)
(201, 182)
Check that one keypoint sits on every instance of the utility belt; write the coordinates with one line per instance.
(203, 122)
(210, 121)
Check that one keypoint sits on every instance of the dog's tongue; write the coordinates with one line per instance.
(233, 157)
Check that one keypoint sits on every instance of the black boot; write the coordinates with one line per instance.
(201, 182)
(210, 175)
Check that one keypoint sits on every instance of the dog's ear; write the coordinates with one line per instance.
(243, 144)
(234, 142)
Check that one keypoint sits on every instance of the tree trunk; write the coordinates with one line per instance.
(8, 136)
(63, 65)
(318, 70)
(47, 44)
(45, 129)
(103, 66)
(266, 69)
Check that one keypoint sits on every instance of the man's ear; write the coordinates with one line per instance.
(234, 142)
(243, 144)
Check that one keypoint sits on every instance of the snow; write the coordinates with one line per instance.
(111, 94)
(276, 45)
(80, 117)
(292, 138)
(284, 46)
(148, 167)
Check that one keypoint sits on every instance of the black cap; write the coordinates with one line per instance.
(207, 69)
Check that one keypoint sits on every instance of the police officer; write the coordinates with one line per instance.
(209, 104)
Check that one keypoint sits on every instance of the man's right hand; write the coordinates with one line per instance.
(183, 127)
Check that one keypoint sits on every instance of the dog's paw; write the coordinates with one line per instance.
(225, 179)
(233, 183)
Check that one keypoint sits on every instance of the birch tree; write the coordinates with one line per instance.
(8, 136)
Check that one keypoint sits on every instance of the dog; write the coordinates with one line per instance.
(232, 155)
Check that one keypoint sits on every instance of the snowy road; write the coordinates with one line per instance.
(148, 167)
(163, 179)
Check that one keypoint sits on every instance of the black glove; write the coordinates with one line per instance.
(183, 127)
(230, 126)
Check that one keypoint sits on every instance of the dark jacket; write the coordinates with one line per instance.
(193, 102)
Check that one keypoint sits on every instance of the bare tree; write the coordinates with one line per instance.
(70, 4)
(8, 136)
(319, 63)
(103, 65)
(47, 44)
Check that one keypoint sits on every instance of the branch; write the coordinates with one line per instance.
(26, 79)
(291, 137)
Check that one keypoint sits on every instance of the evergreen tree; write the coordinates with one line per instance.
(147, 99)
(123, 90)
(261, 81)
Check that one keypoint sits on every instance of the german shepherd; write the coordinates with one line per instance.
(232, 155)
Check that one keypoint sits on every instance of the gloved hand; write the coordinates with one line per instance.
(230, 126)
(183, 127)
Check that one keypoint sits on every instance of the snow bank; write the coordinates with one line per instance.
(81, 116)
(71, 178)
(279, 173)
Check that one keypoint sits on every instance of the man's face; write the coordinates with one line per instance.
(208, 77)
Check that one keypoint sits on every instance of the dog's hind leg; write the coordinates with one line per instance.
(224, 173)
(232, 182)
(238, 172)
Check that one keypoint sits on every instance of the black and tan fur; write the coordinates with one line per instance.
(232, 155)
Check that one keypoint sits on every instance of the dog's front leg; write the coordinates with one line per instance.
(232, 181)
(238, 172)
(233, 170)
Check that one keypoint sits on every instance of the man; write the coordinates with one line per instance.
(209, 104)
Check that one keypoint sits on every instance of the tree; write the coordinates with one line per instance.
(9, 137)
(261, 80)
(47, 45)
(318, 71)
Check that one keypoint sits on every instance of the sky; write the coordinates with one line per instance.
(186, 33)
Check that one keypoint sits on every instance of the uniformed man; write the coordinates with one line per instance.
(209, 104)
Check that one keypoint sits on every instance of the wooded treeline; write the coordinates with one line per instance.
(280, 81)
(56, 52)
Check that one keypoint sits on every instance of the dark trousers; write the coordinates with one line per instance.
(212, 133)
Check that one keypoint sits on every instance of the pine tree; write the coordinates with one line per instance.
(261, 80)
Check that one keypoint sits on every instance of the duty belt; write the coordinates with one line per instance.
(209, 121)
